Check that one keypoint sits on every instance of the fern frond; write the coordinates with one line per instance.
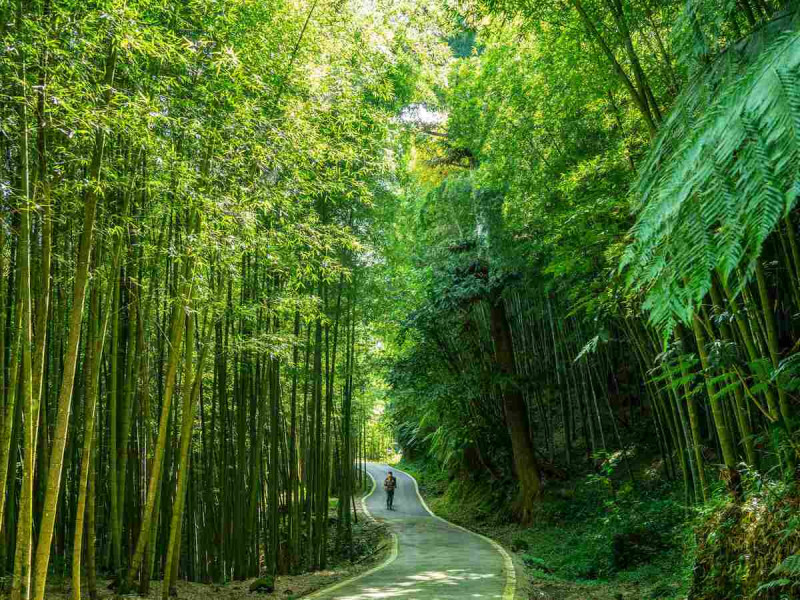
(789, 567)
(723, 171)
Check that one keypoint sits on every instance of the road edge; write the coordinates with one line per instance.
(389, 559)
(510, 588)
(371, 491)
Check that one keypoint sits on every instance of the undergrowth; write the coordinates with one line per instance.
(749, 549)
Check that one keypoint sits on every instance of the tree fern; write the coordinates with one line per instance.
(723, 171)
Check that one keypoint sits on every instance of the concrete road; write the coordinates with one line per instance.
(434, 560)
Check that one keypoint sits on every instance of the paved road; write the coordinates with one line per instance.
(435, 560)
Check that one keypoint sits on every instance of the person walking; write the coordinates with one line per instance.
(390, 485)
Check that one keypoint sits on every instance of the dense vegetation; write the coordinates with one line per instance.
(603, 237)
(550, 244)
(184, 190)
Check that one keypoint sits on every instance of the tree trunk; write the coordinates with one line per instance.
(22, 572)
(516, 415)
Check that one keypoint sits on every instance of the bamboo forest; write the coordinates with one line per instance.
(422, 299)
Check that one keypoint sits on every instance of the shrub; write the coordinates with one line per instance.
(519, 544)
(263, 585)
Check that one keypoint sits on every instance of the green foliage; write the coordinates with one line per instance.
(702, 30)
(534, 561)
(719, 177)
(789, 569)
(520, 544)
(790, 566)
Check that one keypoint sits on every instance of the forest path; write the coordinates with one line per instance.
(432, 560)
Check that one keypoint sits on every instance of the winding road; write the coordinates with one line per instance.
(431, 560)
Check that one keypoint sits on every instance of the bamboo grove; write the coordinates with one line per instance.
(671, 330)
(183, 338)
